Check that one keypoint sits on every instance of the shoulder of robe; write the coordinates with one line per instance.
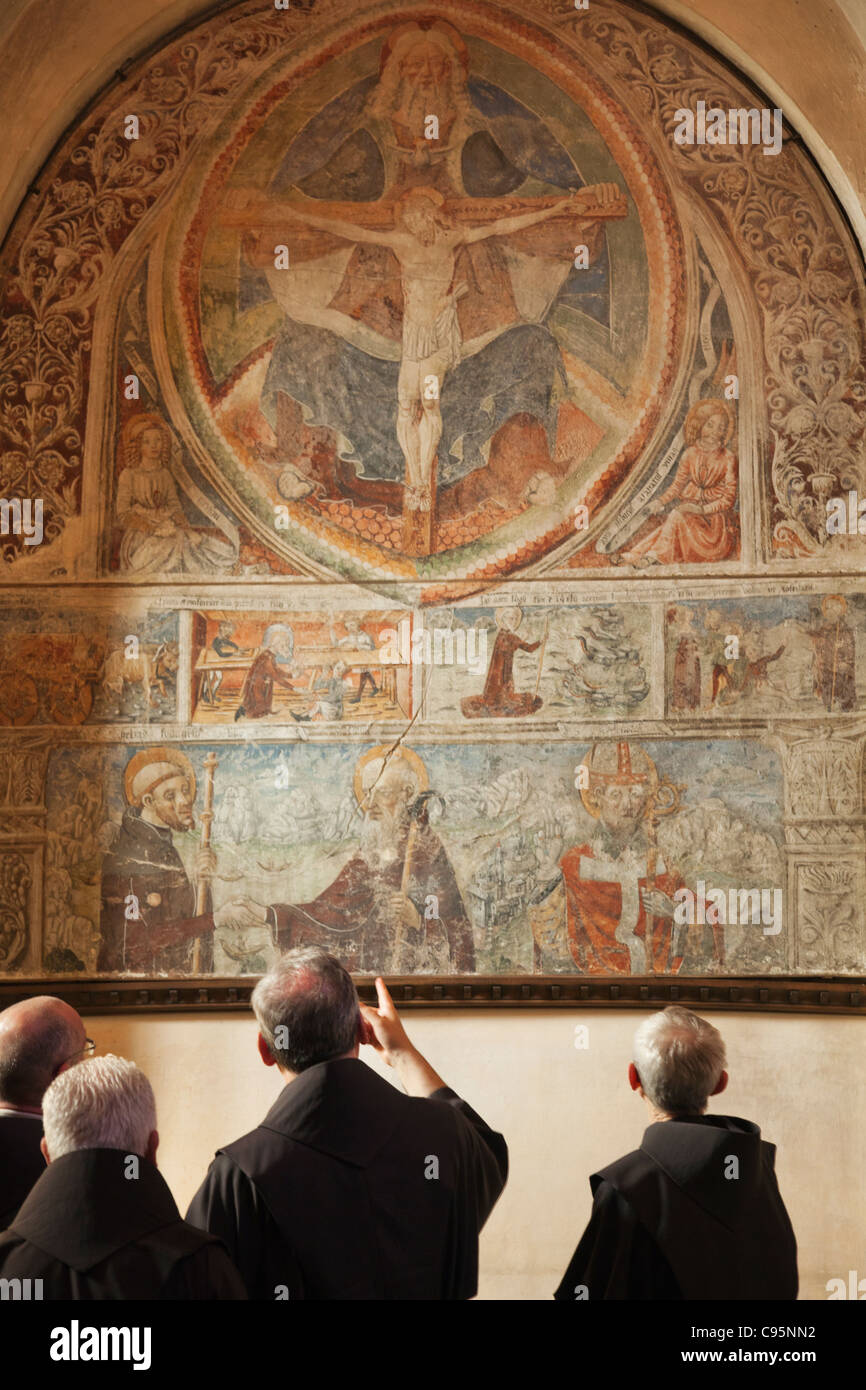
(624, 1170)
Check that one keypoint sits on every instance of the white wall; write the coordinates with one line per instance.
(564, 1112)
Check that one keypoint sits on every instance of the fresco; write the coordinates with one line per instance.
(429, 859)
(549, 662)
(421, 479)
(68, 667)
(324, 665)
(767, 656)
(428, 267)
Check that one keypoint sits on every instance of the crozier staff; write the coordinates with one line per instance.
(371, 915)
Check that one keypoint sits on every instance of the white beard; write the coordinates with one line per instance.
(379, 840)
(414, 106)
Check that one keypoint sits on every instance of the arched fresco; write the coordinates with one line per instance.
(432, 444)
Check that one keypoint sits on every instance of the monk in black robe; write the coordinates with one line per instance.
(499, 699)
(89, 1232)
(21, 1161)
(667, 1223)
(39, 1038)
(349, 1189)
(695, 1212)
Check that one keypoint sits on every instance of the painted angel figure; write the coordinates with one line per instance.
(697, 519)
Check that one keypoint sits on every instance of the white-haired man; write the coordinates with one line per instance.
(375, 913)
(100, 1223)
(349, 1189)
(695, 1212)
(39, 1039)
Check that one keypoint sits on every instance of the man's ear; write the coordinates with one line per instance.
(152, 1146)
(265, 1053)
(44, 1150)
(720, 1084)
(633, 1078)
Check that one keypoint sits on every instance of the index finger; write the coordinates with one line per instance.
(386, 1003)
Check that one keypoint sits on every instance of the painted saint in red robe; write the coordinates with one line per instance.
(257, 696)
(612, 929)
(699, 524)
(499, 699)
(395, 906)
(615, 893)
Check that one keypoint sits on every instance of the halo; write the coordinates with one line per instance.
(651, 777)
(430, 194)
(510, 616)
(380, 751)
(136, 426)
(160, 754)
(834, 598)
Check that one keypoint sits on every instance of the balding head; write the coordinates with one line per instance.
(307, 1010)
(37, 1037)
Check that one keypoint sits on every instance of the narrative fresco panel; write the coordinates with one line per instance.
(306, 666)
(435, 858)
(94, 665)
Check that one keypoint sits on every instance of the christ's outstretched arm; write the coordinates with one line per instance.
(339, 227)
(503, 225)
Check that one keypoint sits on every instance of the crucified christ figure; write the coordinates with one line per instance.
(425, 241)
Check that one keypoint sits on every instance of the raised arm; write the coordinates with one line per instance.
(244, 208)
(385, 1033)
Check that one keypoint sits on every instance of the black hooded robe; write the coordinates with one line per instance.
(21, 1161)
(91, 1232)
(694, 1213)
(349, 1189)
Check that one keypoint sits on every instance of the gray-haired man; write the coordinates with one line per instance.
(695, 1212)
(349, 1189)
(100, 1223)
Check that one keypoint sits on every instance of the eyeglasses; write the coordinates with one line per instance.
(86, 1051)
